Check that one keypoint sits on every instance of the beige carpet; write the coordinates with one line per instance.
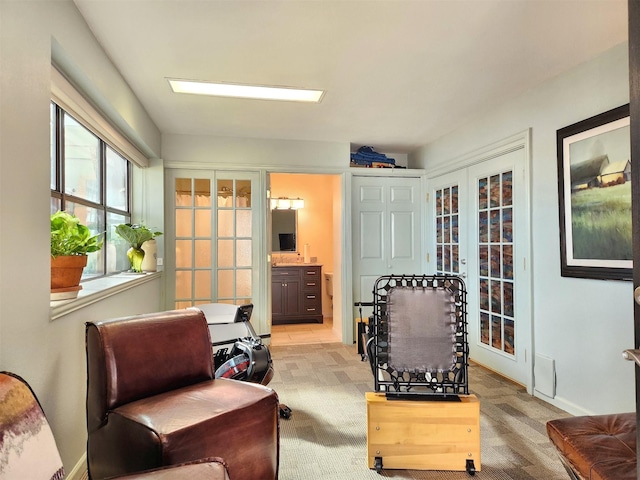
(325, 438)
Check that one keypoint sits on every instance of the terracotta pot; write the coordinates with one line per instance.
(66, 272)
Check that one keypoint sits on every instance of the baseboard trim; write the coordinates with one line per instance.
(79, 471)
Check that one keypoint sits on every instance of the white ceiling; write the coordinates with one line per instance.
(397, 74)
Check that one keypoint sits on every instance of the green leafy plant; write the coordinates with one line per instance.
(70, 237)
(135, 235)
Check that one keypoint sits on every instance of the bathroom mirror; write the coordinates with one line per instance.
(284, 230)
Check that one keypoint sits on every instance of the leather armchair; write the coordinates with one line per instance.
(152, 401)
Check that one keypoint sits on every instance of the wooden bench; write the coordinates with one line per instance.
(597, 447)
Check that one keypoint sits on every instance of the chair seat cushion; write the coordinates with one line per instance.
(206, 469)
(234, 420)
(597, 447)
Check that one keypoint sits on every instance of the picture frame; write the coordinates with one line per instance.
(594, 191)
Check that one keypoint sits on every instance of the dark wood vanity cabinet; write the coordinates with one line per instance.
(285, 292)
(296, 294)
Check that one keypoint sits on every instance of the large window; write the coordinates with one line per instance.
(92, 181)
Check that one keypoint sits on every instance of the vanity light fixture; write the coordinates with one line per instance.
(246, 91)
(297, 203)
(284, 203)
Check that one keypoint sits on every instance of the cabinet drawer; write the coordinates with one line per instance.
(311, 274)
(312, 308)
(283, 273)
(311, 284)
(311, 300)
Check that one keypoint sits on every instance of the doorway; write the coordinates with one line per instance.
(316, 236)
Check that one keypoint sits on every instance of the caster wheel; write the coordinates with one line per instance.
(377, 464)
(471, 468)
(285, 412)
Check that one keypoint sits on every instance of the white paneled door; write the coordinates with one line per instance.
(387, 215)
(481, 232)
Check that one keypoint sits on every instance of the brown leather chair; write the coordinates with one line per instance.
(152, 401)
(596, 447)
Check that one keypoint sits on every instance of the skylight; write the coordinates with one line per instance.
(245, 91)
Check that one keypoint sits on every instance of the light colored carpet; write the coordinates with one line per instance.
(325, 438)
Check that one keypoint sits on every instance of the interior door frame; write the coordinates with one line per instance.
(634, 108)
(521, 140)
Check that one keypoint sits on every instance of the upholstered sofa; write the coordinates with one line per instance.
(152, 401)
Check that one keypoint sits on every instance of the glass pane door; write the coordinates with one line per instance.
(234, 241)
(447, 218)
(193, 215)
(495, 261)
(214, 248)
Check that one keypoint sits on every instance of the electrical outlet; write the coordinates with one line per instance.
(159, 262)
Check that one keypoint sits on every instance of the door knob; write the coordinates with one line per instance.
(463, 261)
(463, 274)
(633, 355)
(636, 295)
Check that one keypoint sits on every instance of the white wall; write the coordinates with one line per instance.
(266, 154)
(48, 354)
(583, 324)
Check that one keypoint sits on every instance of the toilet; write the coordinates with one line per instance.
(328, 277)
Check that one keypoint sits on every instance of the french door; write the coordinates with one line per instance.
(212, 232)
(481, 232)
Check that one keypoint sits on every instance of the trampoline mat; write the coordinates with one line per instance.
(422, 329)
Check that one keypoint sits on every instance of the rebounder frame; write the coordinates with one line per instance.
(436, 331)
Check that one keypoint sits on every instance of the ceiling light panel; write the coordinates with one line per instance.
(245, 91)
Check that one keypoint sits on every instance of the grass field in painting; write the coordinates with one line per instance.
(601, 223)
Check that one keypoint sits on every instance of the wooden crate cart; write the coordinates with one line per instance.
(421, 415)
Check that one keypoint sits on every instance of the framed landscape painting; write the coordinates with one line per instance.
(594, 187)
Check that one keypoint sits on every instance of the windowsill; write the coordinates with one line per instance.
(96, 290)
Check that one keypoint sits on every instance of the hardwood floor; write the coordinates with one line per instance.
(304, 333)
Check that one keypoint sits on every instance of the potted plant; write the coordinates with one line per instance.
(135, 236)
(71, 241)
